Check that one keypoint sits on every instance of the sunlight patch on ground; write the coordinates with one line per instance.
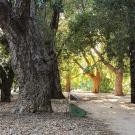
(128, 106)
(113, 100)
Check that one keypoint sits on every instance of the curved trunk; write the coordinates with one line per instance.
(118, 73)
(96, 82)
(54, 76)
(118, 83)
(56, 91)
(36, 70)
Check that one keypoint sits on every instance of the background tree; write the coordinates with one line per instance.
(6, 72)
(120, 20)
(97, 25)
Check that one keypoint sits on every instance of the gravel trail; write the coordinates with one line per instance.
(57, 123)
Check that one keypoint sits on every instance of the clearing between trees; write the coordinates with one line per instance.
(106, 115)
(117, 112)
(57, 123)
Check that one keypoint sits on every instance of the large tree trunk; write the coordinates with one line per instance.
(33, 59)
(95, 78)
(96, 81)
(118, 82)
(56, 91)
(33, 67)
(54, 75)
(132, 71)
(131, 15)
(118, 72)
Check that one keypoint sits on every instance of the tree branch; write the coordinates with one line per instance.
(104, 61)
(60, 50)
(78, 64)
(63, 45)
(88, 73)
(92, 76)
(83, 5)
(86, 59)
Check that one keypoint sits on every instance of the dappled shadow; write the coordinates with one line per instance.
(59, 123)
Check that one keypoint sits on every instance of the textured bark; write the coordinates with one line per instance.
(118, 83)
(132, 71)
(131, 15)
(96, 81)
(118, 72)
(56, 91)
(55, 78)
(95, 78)
(33, 60)
(7, 77)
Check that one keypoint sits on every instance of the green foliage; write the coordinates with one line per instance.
(40, 3)
(58, 6)
(106, 24)
(4, 53)
(90, 68)
(106, 85)
(126, 82)
(45, 9)
(112, 17)
(102, 24)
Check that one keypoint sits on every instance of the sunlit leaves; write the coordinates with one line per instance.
(4, 54)
(106, 23)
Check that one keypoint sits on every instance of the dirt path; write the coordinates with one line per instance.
(58, 123)
(114, 111)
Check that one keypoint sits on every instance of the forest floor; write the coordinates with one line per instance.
(117, 112)
(57, 123)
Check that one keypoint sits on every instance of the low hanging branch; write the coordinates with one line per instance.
(88, 73)
(104, 61)
(95, 78)
(78, 64)
(86, 59)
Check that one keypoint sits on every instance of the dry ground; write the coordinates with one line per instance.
(57, 123)
(116, 112)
